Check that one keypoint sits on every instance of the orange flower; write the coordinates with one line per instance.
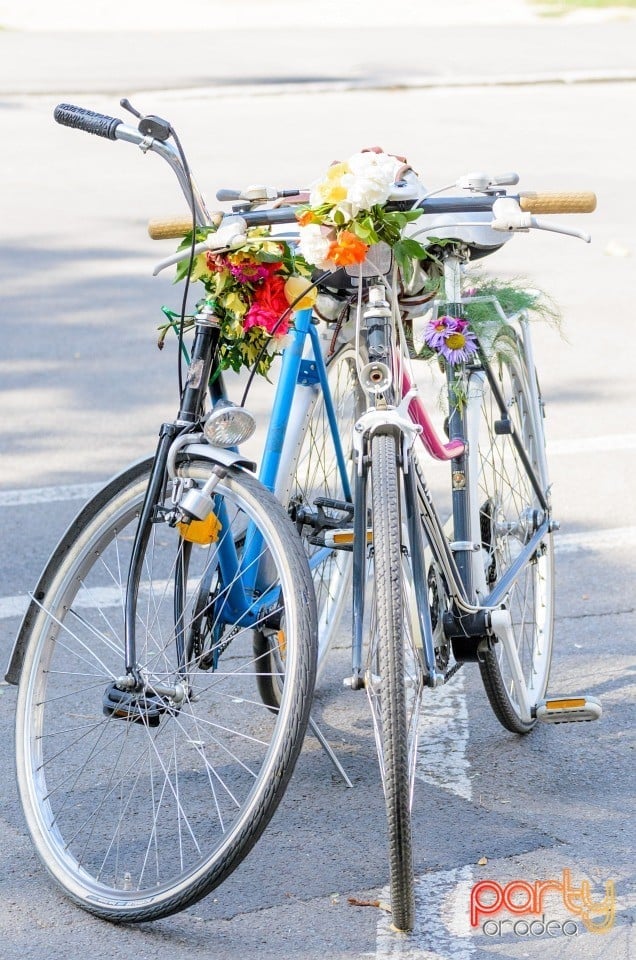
(307, 216)
(347, 249)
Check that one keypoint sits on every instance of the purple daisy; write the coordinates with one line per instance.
(458, 346)
(451, 338)
(437, 330)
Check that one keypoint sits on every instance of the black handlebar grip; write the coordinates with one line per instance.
(99, 124)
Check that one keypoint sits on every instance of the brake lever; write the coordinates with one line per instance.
(510, 218)
(555, 228)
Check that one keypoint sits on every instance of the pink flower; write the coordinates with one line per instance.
(252, 271)
(215, 262)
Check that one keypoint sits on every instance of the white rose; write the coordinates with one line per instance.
(373, 175)
(375, 166)
(364, 194)
(314, 245)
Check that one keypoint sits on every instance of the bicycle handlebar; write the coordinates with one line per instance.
(111, 128)
(98, 123)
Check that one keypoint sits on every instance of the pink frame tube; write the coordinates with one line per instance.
(434, 446)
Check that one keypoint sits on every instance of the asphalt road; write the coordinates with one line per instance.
(83, 390)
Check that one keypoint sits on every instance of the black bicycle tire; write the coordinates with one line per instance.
(217, 869)
(385, 492)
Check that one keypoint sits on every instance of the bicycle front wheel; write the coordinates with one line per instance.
(509, 514)
(140, 803)
(393, 677)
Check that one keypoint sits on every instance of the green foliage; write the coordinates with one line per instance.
(513, 296)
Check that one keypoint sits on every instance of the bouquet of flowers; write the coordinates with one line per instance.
(347, 214)
(250, 290)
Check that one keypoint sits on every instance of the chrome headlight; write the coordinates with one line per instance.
(228, 425)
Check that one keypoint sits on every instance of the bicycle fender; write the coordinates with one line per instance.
(219, 455)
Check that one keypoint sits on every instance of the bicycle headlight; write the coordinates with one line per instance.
(228, 425)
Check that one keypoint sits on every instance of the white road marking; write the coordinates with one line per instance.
(595, 540)
(443, 737)
(441, 929)
(95, 598)
(33, 495)
(605, 444)
(442, 920)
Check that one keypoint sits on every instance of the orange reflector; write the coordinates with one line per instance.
(201, 531)
(346, 537)
(568, 703)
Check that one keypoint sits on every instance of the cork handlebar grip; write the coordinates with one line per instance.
(176, 227)
(562, 202)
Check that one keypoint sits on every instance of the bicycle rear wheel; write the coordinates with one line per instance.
(140, 804)
(393, 677)
(509, 514)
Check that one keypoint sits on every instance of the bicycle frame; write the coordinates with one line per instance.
(290, 406)
(460, 560)
(303, 374)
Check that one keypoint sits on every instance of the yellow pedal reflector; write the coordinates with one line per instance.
(201, 531)
(343, 538)
(565, 702)
(568, 709)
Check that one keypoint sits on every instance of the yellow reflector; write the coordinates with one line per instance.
(566, 703)
(201, 531)
(282, 643)
(346, 537)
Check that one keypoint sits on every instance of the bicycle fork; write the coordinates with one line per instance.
(383, 416)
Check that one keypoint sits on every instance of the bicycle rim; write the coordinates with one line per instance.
(508, 508)
(139, 816)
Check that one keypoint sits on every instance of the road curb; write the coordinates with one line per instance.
(397, 83)
(298, 86)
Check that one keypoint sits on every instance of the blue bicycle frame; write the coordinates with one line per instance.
(306, 373)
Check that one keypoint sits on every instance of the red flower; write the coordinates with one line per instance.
(269, 304)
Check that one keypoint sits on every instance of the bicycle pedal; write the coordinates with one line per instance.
(568, 709)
